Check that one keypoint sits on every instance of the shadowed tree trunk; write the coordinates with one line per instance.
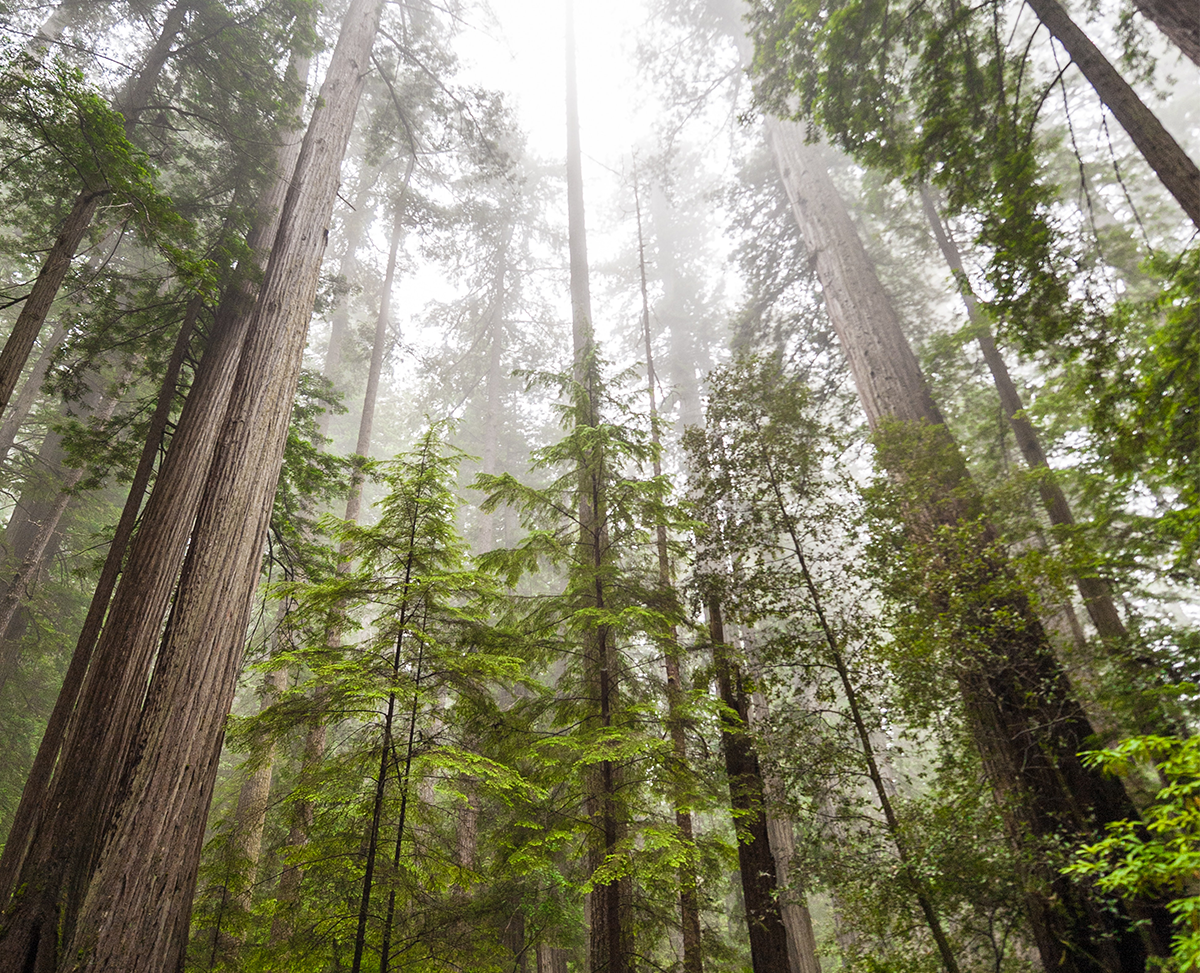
(1024, 719)
(63, 819)
(1095, 592)
(747, 799)
(22, 405)
(1163, 154)
(139, 899)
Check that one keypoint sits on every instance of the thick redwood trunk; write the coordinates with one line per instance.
(39, 776)
(747, 798)
(135, 914)
(1026, 724)
(1163, 154)
(66, 817)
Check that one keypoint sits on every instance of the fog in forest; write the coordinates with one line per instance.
(666, 486)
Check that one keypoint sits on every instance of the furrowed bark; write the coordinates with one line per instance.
(137, 905)
(1163, 154)
(31, 805)
(747, 800)
(1026, 723)
(66, 815)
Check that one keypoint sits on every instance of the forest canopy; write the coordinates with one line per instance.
(691, 485)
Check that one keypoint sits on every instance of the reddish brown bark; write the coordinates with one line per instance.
(137, 905)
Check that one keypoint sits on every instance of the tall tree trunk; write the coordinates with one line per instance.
(609, 935)
(1178, 19)
(1097, 598)
(66, 815)
(1025, 721)
(685, 354)
(39, 776)
(138, 901)
(747, 799)
(32, 537)
(1164, 155)
(58, 260)
(355, 228)
(689, 904)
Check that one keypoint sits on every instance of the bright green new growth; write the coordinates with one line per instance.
(1160, 856)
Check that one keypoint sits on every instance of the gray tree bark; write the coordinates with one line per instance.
(1178, 19)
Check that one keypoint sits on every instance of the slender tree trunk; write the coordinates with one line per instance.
(685, 353)
(355, 227)
(58, 261)
(756, 863)
(494, 419)
(689, 904)
(1178, 19)
(610, 945)
(1164, 155)
(1097, 598)
(138, 902)
(41, 529)
(250, 819)
(1025, 721)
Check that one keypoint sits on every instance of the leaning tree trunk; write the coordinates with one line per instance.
(43, 764)
(58, 260)
(747, 799)
(40, 530)
(1026, 723)
(1178, 19)
(62, 818)
(138, 902)
(1164, 155)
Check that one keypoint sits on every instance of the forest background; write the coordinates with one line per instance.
(795, 569)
